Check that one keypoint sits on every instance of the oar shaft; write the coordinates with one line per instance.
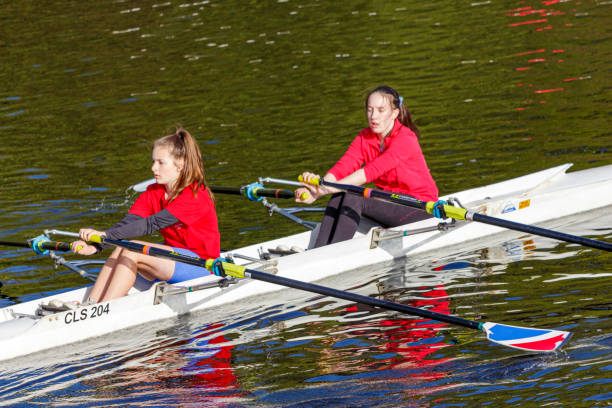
(366, 300)
(462, 214)
(51, 245)
(151, 250)
(383, 195)
(521, 338)
(241, 272)
(15, 244)
(531, 229)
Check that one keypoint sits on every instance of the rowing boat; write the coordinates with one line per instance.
(546, 197)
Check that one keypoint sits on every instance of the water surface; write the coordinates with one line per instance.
(273, 88)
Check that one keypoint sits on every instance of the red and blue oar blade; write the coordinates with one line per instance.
(525, 338)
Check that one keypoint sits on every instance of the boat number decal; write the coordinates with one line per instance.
(509, 207)
(524, 204)
(86, 313)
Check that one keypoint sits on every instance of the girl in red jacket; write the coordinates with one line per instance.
(386, 153)
(179, 205)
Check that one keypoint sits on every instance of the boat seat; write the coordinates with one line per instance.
(365, 225)
(141, 284)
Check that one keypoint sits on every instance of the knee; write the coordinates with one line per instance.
(124, 253)
(129, 258)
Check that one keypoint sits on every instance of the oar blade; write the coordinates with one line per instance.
(524, 338)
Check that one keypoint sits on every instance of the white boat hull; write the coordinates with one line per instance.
(546, 196)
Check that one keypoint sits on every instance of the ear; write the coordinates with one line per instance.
(179, 164)
(396, 113)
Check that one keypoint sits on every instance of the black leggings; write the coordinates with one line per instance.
(344, 210)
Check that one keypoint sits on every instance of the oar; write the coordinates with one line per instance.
(41, 245)
(522, 338)
(463, 214)
(254, 191)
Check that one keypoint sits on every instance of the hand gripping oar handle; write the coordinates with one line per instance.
(527, 339)
(463, 214)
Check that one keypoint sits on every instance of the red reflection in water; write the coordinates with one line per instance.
(410, 341)
(215, 370)
(531, 52)
(407, 333)
(541, 91)
(173, 369)
(528, 22)
(527, 65)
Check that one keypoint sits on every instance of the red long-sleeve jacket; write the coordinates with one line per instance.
(399, 166)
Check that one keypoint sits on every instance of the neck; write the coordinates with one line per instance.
(381, 136)
(169, 189)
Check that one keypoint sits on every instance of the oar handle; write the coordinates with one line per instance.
(96, 239)
(314, 182)
(257, 192)
(56, 246)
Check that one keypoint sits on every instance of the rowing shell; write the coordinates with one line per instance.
(548, 196)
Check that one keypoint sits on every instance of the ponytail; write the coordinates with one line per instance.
(183, 147)
(397, 103)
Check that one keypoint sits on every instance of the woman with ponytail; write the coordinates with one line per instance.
(180, 205)
(386, 153)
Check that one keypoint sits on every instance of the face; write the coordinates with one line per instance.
(165, 169)
(381, 115)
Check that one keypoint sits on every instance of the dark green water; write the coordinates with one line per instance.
(273, 88)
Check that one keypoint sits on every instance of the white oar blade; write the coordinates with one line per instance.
(142, 186)
(524, 338)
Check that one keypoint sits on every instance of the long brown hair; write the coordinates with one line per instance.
(393, 97)
(183, 147)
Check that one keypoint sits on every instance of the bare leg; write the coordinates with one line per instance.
(128, 264)
(105, 276)
(123, 276)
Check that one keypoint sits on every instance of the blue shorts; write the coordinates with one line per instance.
(183, 271)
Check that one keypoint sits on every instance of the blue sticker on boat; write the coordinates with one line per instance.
(509, 207)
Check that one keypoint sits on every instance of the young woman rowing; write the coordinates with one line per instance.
(386, 153)
(179, 205)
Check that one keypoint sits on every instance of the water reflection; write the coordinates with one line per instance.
(320, 341)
